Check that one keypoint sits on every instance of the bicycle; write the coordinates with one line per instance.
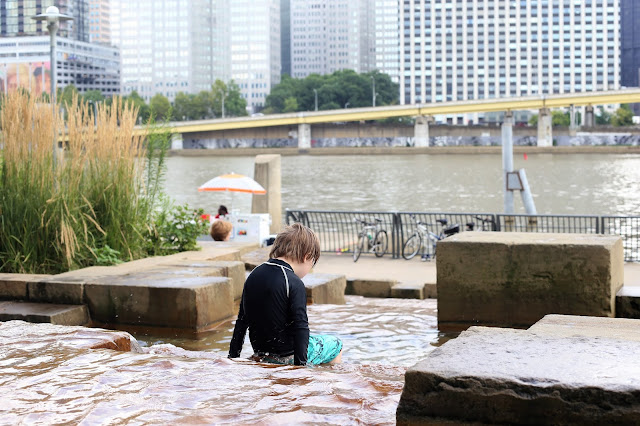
(422, 235)
(373, 236)
(486, 224)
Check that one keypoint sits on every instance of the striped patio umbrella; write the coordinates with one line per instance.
(233, 182)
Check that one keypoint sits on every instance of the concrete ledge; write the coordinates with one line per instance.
(369, 288)
(430, 291)
(508, 376)
(575, 326)
(193, 303)
(14, 332)
(14, 286)
(44, 312)
(628, 302)
(514, 279)
(408, 291)
(56, 289)
(325, 288)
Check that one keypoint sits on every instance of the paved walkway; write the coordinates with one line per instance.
(409, 271)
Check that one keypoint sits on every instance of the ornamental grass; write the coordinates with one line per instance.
(63, 209)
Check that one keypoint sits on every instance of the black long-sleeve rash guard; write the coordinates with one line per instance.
(277, 322)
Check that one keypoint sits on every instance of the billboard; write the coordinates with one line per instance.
(32, 76)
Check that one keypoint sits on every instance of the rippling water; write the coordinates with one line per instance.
(561, 183)
(45, 382)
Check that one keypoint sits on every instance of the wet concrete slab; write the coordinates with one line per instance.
(325, 288)
(408, 290)
(25, 334)
(370, 287)
(44, 313)
(561, 373)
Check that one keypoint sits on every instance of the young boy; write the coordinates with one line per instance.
(221, 230)
(274, 306)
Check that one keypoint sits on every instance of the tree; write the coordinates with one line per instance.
(160, 107)
(623, 116)
(604, 118)
(337, 90)
(533, 121)
(93, 96)
(559, 118)
(234, 104)
(290, 104)
(136, 101)
(182, 107)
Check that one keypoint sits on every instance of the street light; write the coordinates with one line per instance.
(346, 105)
(53, 17)
(373, 91)
(315, 93)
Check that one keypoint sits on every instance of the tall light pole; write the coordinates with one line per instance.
(315, 93)
(53, 17)
(373, 91)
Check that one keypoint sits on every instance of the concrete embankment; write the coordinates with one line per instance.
(434, 150)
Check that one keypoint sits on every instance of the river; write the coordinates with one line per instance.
(606, 184)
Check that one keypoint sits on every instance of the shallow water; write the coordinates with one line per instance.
(45, 382)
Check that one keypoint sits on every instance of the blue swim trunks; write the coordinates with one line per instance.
(322, 349)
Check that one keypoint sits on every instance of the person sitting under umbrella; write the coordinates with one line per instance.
(222, 211)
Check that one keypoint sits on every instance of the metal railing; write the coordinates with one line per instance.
(338, 232)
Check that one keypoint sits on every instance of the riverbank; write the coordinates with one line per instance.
(434, 150)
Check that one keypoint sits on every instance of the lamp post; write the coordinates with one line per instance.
(315, 93)
(346, 105)
(53, 17)
(373, 91)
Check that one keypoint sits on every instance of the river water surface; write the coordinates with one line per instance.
(583, 184)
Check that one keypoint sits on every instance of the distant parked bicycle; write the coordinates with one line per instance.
(371, 238)
(486, 224)
(423, 237)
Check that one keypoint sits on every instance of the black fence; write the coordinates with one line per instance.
(338, 231)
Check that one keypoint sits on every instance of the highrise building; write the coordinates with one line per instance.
(285, 36)
(15, 18)
(386, 37)
(167, 46)
(100, 21)
(630, 55)
(468, 49)
(330, 35)
(255, 48)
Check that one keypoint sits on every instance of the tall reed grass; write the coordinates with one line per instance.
(101, 193)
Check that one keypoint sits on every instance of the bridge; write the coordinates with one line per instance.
(422, 112)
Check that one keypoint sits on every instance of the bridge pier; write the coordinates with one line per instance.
(421, 131)
(507, 160)
(304, 137)
(573, 126)
(589, 116)
(545, 134)
(176, 141)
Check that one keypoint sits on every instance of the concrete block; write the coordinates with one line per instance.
(514, 279)
(234, 270)
(599, 327)
(370, 288)
(430, 291)
(628, 302)
(256, 257)
(408, 291)
(325, 288)
(508, 376)
(14, 332)
(14, 286)
(192, 303)
(56, 289)
(44, 312)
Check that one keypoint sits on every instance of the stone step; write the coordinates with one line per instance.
(628, 302)
(44, 313)
(565, 369)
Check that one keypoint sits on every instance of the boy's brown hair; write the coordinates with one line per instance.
(220, 229)
(297, 242)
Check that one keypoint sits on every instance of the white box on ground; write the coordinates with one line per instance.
(250, 228)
